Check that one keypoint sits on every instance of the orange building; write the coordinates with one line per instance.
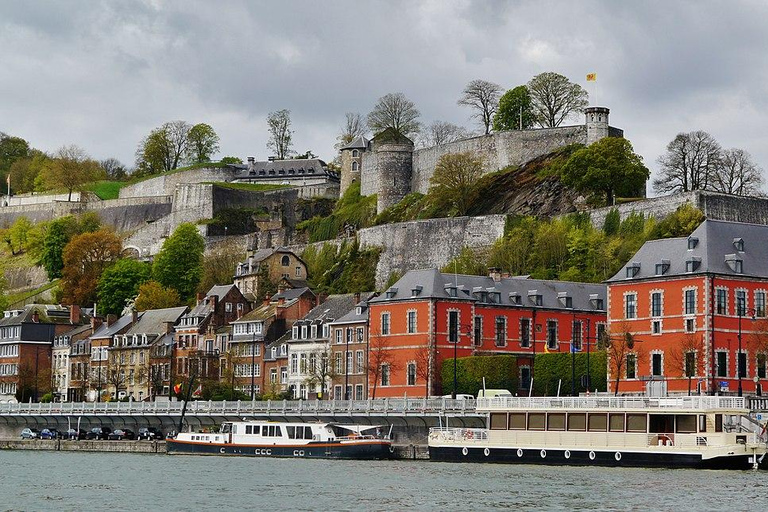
(428, 317)
(696, 309)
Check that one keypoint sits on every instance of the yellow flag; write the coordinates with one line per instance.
(591, 77)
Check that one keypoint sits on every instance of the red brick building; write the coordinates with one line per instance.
(696, 308)
(428, 316)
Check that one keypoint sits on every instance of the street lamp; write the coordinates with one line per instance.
(346, 367)
(740, 311)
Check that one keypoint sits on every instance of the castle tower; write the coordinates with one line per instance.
(597, 123)
(393, 154)
(352, 162)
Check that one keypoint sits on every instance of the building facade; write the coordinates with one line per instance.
(349, 353)
(428, 317)
(695, 308)
(274, 264)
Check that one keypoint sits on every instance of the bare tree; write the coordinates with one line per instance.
(394, 111)
(554, 98)
(116, 378)
(618, 347)
(684, 358)
(482, 97)
(113, 168)
(70, 169)
(736, 173)
(321, 369)
(456, 174)
(280, 133)
(442, 132)
(380, 354)
(354, 127)
(424, 367)
(689, 163)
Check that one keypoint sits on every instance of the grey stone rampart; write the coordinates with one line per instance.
(165, 184)
(282, 200)
(428, 243)
(498, 150)
(653, 207)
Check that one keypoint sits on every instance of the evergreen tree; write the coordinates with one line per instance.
(179, 264)
(53, 248)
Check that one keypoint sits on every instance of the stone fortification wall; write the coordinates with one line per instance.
(498, 150)
(712, 204)
(34, 199)
(165, 185)
(428, 243)
(282, 200)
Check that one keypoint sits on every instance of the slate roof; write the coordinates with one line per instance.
(359, 143)
(46, 314)
(291, 294)
(715, 246)
(263, 312)
(153, 320)
(105, 331)
(77, 330)
(432, 283)
(334, 307)
(292, 168)
(352, 317)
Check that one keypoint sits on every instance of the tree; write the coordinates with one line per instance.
(56, 236)
(3, 288)
(685, 357)
(85, 257)
(219, 264)
(24, 172)
(482, 97)
(164, 149)
(152, 295)
(380, 354)
(115, 377)
(689, 163)
(231, 160)
(280, 134)
(394, 111)
(203, 143)
(354, 127)
(515, 110)
(456, 174)
(113, 169)
(179, 264)
(424, 367)
(16, 236)
(736, 173)
(442, 132)
(618, 347)
(554, 98)
(11, 149)
(321, 370)
(120, 283)
(70, 169)
(609, 167)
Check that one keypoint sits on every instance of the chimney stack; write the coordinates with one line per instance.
(74, 314)
(281, 301)
(251, 161)
(200, 297)
(95, 324)
(134, 317)
(495, 274)
(357, 298)
(111, 319)
(168, 327)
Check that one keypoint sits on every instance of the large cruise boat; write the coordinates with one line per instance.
(693, 432)
(282, 439)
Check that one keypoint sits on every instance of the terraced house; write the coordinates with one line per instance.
(696, 307)
(429, 317)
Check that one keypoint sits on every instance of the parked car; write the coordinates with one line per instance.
(121, 433)
(98, 433)
(149, 433)
(30, 433)
(47, 433)
(76, 434)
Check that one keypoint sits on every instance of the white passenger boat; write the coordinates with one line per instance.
(285, 439)
(693, 432)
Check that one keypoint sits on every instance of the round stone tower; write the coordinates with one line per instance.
(394, 167)
(597, 123)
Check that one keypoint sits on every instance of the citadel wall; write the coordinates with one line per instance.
(165, 185)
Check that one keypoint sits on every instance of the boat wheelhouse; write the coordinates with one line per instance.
(698, 432)
(285, 439)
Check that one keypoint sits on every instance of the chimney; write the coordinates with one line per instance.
(111, 319)
(95, 324)
(35, 317)
(214, 301)
(251, 161)
(168, 327)
(134, 317)
(200, 297)
(74, 314)
(281, 301)
(267, 300)
(357, 298)
(495, 274)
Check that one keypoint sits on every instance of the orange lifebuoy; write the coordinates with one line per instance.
(470, 434)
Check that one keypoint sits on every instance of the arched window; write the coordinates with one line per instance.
(286, 261)
(355, 167)
(355, 153)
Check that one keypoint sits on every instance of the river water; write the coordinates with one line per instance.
(64, 481)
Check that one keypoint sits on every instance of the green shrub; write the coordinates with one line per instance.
(551, 369)
(351, 210)
(500, 372)
(342, 269)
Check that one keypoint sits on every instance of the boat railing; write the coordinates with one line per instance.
(619, 402)
(467, 435)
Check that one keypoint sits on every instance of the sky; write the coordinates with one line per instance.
(102, 74)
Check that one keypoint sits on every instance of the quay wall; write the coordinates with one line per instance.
(60, 445)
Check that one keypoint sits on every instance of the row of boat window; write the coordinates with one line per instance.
(601, 422)
(301, 432)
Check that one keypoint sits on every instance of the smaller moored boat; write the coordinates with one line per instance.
(285, 439)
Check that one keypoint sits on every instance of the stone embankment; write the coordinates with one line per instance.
(61, 445)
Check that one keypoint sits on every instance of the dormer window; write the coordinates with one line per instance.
(738, 244)
(514, 298)
(692, 264)
(416, 291)
(535, 298)
(596, 302)
(633, 269)
(359, 310)
(391, 293)
(452, 291)
(735, 263)
(662, 267)
(692, 242)
(564, 299)
(495, 297)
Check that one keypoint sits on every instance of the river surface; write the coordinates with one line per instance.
(64, 481)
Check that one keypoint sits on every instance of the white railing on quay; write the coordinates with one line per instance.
(611, 402)
(465, 435)
(371, 407)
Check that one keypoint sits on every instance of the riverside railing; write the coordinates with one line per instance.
(372, 407)
(609, 402)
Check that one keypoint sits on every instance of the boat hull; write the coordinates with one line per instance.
(367, 450)
(587, 458)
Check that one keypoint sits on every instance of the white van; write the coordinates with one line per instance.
(460, 396)
(493, 393)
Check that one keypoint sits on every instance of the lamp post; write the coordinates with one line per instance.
(253, 365)
(346, 367)
(455, 353)
(740, 311)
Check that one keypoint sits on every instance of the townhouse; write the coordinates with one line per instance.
(60, 367)
(696, 309)
(428, 317)
(89, 359)
(349, 351)
(274, 264)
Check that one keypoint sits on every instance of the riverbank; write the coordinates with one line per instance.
(405, 452)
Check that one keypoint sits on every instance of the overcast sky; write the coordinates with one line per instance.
(103, 74)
